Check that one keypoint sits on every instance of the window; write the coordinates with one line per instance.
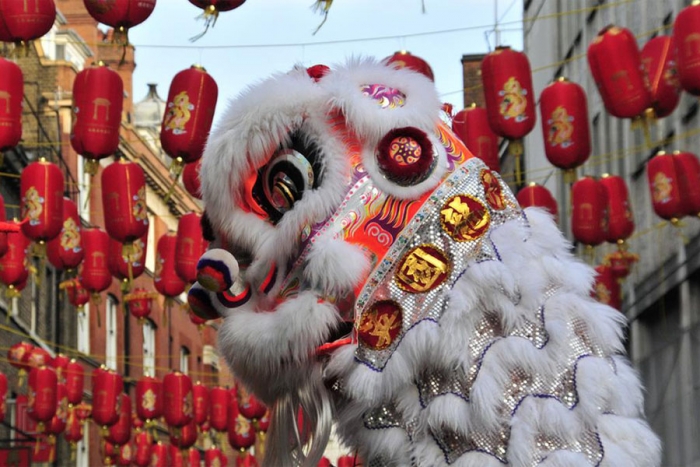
(84, 182)
(149, 348)
(83, 450)
(184, 360)
(84, 329)
(151, 247)
(111, 311)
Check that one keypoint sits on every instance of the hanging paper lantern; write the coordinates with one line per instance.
(39, 357)
(120, 14)
(241, 434)
(185, 436)
(75, 381)
(165, 279)
(200, 397)
(616, 66)
(686, 34)
(3, 235)
(66, 250)
(23, 21)
(109, 453)
(42, 395)
(688, 167)
(404, 59)
(194, 459)
(13, 264)
(159, 455)
(606, 288)
(565, 128)
(659, 60)
(144, 444)
(83, 410)
(620, 262)
(126, 455)
(620, 219)
(175, 456)
(18, 355)
(665, 186)
(12, 90)
(589, 211)
(248, 404)
(212, 8)
(107, 386)
(120, 432)
(60, 364)
(190, 112)
(41, 186)
(190, 245)
(510, 101)
(177, 399)
(58, 423)
(539, 196)
(124, 200)
(74, 428)
(191, 180)
(98, 97)
(246, 460)
(149, 399)
(3, 396)
(212, 457)
(140, 303)
(127, 262)
(219, 400)
(77, 295)
(471, 125)
(95, 276)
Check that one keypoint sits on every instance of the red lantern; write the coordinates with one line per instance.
(607, 288)
(12, 90)
(74, 427)
(124, 199)
(3, 396)
(120, 14)
(66, 250)
(109, 453)
(127, 262)
(190, 111)
(39, 357)
(246, 460)
(126, 455)
(41, 186)
(13, 264)
(686, 35)
(144, 444)
(60, 364)
(620, 219)
(471, 125)
(42, 394)
(404, 59)
(191, 180)
(190, 245)
(616, 66)
(77, 295)
(665, 182)
(149, 398)
(18, 355)
(620, 262)
(98, 97)
(212, 457)
(659, 60)
(139, 303)
(83, 410)
(589, 211)
(75, 380)
(177, 399)
(120, 432)
(218, 408)
(539, 196)
(22, 21)
(106, 389)
(200, 396)
(248, 404)
(95, 276)
(165, 278)
(3, 235)
(688, 167)
(241, 434)
(564, 111)
(185, 436)
(194, 459)
(159, 455)
(212, 8)
(175, 456)
(59, 421)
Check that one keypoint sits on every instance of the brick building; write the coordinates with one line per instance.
(42, 315)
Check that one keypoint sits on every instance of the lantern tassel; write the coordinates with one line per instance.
(176, 169)
(324, 7)
(210, 15)
(515, 149)
(96, 300)
(91, 166)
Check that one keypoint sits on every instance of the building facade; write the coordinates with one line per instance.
(661, 295)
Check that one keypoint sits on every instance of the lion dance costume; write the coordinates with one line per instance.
(373, 275)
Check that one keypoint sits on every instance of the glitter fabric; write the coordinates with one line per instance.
(385, 416)
(385, 96)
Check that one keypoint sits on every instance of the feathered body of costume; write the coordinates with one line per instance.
(372, 273)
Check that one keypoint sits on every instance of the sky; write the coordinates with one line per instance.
(262, 37)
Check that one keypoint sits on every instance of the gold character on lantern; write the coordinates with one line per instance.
(242, 426)
(136, 252)
(602, 293)
(70, 236)
(561, 128)
(149, 400)
(662, 188)
(514, 102)
(139, 209)
(33, 205)
(187, 404)
(159, 267)
(179, 113)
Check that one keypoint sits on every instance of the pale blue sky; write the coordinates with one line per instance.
(263, 22)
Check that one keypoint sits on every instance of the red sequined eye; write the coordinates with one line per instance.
(405, 156)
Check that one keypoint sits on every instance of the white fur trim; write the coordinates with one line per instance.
(334, 265)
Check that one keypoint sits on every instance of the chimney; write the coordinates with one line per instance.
(471, 76)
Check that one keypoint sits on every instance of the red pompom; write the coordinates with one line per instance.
(317, 72)
(405, 156)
